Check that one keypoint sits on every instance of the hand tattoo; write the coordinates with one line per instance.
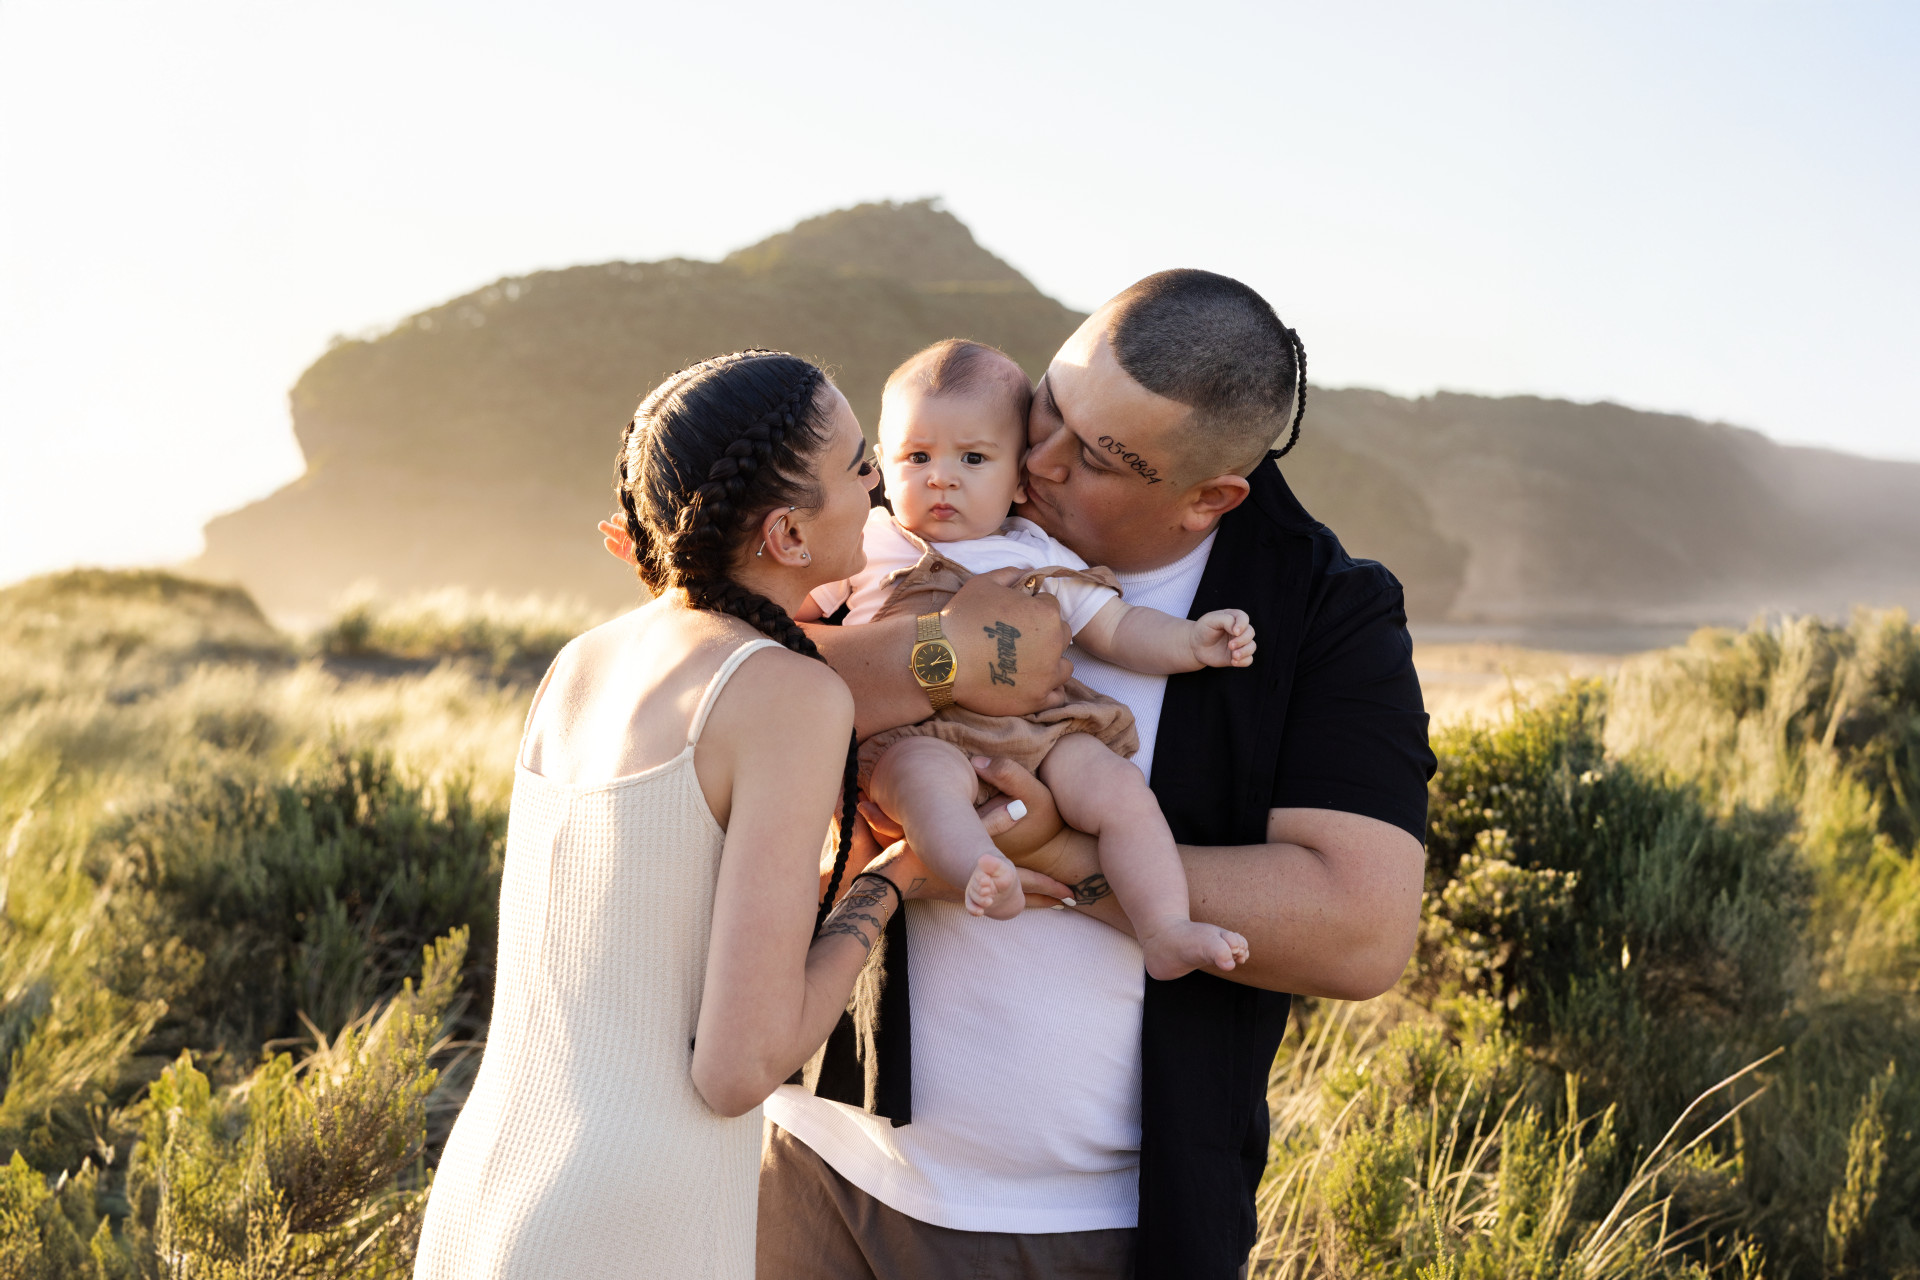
(1092, 889)
(855, 914)
(1006, 667)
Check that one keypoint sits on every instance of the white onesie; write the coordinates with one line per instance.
(1022, 543)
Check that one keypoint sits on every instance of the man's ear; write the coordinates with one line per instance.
(1211, 499)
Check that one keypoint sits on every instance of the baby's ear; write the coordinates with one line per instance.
(1020, 490)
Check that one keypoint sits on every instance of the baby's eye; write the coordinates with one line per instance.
(917, 457)
(974, 459)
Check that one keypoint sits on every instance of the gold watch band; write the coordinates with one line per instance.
(940, 695)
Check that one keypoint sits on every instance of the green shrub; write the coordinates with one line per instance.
(1819, 722)
(298, 1173)
(311, 898)
(306, 1169)
(1631, 934)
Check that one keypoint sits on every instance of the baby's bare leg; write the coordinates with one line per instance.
(1107, 797)
(928, 786)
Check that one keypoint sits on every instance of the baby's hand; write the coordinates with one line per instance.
(1223, 638)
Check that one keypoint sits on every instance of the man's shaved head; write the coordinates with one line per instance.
(1213, 344)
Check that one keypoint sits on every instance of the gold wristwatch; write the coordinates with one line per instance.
(932, 662)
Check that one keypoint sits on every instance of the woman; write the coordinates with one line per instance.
(662, 966)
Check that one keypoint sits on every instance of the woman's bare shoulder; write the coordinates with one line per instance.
(781, 686)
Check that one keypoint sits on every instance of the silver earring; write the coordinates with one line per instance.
(763, 542)
(807, 556)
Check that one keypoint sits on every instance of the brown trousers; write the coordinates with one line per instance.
(815, 1225)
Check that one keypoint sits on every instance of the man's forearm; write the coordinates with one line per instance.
(1007, 646)
(1315, 927)
(1317, 924)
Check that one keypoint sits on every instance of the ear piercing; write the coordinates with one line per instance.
(763, 543)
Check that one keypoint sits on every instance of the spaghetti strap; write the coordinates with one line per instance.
(719, 682)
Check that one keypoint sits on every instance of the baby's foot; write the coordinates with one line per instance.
(1181, 948)
(994, 889)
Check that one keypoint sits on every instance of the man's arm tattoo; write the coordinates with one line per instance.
(1090, 890)
(1006, 664)
(856, 915)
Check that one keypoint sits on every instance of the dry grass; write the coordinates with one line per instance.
(1451, 1130)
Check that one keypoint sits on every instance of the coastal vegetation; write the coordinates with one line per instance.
(1662, 1021)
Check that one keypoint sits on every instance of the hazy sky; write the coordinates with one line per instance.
(1700, 207)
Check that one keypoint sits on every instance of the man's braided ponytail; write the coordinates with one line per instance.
(1299, 389)
(708, 454)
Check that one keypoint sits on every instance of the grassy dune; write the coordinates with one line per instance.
(1662, 1020)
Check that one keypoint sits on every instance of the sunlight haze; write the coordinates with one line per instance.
(1701, 209)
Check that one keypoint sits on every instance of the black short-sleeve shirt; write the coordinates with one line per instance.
(1356, 727)
(1328, 716)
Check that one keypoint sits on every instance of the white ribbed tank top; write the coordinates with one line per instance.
(584, 1149)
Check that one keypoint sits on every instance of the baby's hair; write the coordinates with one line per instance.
(959, 367)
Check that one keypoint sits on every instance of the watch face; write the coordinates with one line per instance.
(932, 663)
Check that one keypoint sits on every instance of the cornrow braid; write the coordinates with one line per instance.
(1299, 393)
(745, 425)
(708, 521)
(636, 532)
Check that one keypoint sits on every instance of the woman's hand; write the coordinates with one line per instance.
(1024, 832)
(1041, 841)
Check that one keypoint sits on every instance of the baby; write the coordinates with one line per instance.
(953, 432)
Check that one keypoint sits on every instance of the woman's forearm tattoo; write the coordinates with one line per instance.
(858, 914)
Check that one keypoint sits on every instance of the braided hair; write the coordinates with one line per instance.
(1299, 394)
(709, 452)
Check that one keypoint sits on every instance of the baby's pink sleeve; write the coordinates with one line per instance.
(831, 595)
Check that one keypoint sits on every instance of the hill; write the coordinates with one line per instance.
(472, 445)
(1599, 513)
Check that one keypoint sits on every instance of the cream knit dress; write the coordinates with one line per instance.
(584, 1149)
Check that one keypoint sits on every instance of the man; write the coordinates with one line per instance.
(1067, 1115)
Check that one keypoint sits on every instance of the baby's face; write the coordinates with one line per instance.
(952, 463)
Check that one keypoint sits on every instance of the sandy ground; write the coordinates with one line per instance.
(1481, 680)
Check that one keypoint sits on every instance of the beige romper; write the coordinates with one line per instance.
(927, 587)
